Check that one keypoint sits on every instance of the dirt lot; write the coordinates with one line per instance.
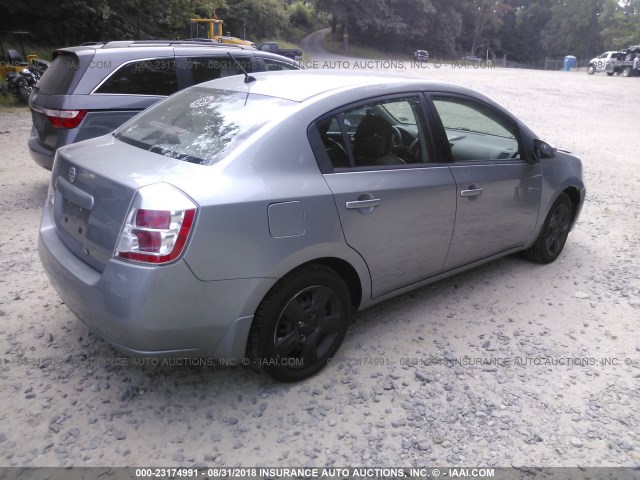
(67, 399)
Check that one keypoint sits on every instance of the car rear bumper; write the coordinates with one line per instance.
(151, 311)
(42, 156)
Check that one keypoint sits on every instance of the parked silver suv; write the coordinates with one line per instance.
(91, 90)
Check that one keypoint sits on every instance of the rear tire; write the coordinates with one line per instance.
(554, 233)
(300, 324)
(23, 94)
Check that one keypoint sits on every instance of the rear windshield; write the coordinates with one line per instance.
(58, 77)
(201, 125)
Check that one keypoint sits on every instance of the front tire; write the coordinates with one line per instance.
(300, 324)
(554, 233)
(591, 70)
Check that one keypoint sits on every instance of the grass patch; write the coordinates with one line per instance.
(11, 104)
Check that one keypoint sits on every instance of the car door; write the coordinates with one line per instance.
(396, 205)
(497, 190)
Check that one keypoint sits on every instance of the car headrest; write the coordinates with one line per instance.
(373, 137)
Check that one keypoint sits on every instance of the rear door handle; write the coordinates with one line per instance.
(357, 204)
(473, 192)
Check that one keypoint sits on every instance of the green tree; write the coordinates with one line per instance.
(620, 24)
(574, 28)
(261, 19)
(481, 21)
(521, 32)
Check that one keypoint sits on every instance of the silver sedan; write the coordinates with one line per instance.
(248, 217)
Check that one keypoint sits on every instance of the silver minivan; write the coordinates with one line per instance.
(91, 90)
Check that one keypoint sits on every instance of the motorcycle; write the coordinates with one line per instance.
(21, 83)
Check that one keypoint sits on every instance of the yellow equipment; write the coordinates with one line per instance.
(211, 28)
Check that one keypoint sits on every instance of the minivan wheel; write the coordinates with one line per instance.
(554, 233)
(300, 324)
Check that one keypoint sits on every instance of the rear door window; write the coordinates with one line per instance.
(388, 133)
(155, 76)
(203, 69)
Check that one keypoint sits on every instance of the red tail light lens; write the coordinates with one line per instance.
(153, 218)
(158, 225)
(65, 118)
(155, 236)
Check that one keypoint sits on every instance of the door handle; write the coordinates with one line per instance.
(472, 192)
(357, 204)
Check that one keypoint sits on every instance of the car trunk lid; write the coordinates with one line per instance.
(94, 185)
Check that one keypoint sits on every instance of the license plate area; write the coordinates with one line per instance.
(74, 219)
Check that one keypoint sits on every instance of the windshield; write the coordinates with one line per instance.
(201, 125)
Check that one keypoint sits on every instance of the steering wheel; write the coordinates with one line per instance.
(415, 151)
(396, 137)
(332, 145)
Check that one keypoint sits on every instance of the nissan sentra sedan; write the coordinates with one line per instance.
(249, 217)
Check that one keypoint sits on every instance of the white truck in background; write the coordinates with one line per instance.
(614, 61)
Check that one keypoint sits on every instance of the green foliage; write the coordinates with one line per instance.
(521, 30)
(300, 15)
(620, 24)
(259, 18)
(573, 28)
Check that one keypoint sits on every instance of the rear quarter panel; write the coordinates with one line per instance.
(233, 237)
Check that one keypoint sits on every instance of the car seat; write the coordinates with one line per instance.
(372, 143)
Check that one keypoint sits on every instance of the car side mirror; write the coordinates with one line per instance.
(543, 150)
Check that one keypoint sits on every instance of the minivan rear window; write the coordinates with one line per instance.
(201, 125)
(59, 76)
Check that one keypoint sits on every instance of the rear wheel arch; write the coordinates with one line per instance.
(342, 268)
(302, 319)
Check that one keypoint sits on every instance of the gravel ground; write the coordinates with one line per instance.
(400, 393)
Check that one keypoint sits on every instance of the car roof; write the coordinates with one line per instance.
(301, 85)
(127, 50)
(130, 45)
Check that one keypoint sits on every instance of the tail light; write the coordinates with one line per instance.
(65, 118)
(158, 225)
